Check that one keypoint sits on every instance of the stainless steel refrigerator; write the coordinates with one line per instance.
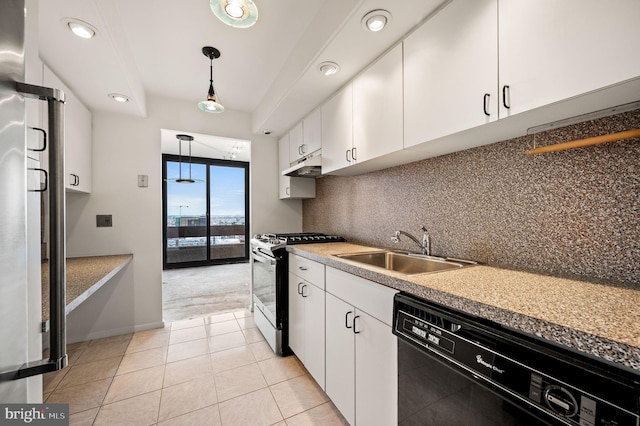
(22, 185)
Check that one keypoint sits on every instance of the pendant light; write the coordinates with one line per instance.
(180, 139)
(235, 13)
(211, 104)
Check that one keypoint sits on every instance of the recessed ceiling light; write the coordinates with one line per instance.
(119, 98)
(80, 28)
(236, 13)
(329, 68)
(376, 20)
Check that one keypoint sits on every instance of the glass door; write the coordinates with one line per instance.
(227, 201)
(205, 203)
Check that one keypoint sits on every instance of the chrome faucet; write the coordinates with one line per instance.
(425, 245)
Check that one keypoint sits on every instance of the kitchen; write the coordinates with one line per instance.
(555, 214)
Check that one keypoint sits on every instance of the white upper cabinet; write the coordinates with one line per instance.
(296, 142)
(451, 72)
(77, 129)
(337, 130)
(482, 71)
(312, 132)
(377, 108)
(363, 121)
(552, 50)
(292, 187)
(283, 154)
(306, 136)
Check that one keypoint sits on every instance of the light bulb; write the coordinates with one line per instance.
(234, 10)
(80, 28)
(376, 23)
(210, 106)
(376, 20)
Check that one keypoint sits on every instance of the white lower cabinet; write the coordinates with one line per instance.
(307, 320)
(361, 351)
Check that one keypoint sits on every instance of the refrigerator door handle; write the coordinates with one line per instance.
(57, 257)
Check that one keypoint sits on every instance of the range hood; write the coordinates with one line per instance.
(309, 167)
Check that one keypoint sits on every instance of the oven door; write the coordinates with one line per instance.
(264, 272)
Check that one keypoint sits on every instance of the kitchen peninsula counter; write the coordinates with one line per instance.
(85, 275)
(599, 319)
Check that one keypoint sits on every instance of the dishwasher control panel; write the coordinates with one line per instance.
(519, 371)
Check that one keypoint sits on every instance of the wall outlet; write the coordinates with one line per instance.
(104, 220)
(143, 181)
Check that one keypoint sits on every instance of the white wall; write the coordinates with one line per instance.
(124, 147)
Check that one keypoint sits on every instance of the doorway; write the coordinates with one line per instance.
(205, 211)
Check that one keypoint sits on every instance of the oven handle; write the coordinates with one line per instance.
(259, 256)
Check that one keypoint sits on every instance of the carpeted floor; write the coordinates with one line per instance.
(203, 291)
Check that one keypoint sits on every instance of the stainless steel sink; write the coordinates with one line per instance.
(405, 263)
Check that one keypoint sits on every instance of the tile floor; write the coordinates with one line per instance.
(215, 370)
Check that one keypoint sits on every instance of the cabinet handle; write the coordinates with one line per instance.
(354, 324)
(485, 101)
(346, 319)
(505, 90)
(299, 149)
(302, 292)
(44, 139)
(347, 152)
(353, 153)
(299, 284)
(76, 180)
(46, 179)
(302, 268)
(303, 148)
(287, 191)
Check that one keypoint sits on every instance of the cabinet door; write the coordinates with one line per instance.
(291, 187)
(77, 137)
(296, 317)
(376, 372)
(312, 131)
(296, 142)
(337, 131)
(552, 50)
(283, 153)
(314, 305)
(340, 354)
(284, 189)
(377, 108)
(450, 64)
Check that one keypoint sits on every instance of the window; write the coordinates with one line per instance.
(206, 219)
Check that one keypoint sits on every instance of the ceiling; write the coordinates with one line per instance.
(270, 70)
(205, 146)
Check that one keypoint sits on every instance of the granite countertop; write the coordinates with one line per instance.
(85, 275)
(601, 320)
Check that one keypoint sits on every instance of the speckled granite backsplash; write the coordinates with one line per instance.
(573, 213)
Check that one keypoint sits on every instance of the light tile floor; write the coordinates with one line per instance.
(215, 370)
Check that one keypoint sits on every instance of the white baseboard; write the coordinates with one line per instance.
(114, 332)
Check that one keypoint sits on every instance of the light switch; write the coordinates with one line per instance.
(143, 181)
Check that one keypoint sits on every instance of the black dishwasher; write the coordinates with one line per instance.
(455, 369)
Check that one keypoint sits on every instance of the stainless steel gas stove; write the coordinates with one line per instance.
(270, 282)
